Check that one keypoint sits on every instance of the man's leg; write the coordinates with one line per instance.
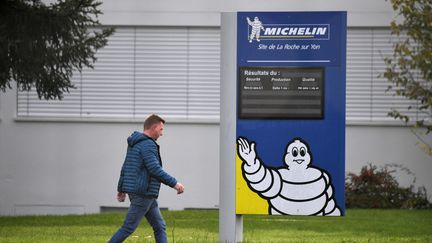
(138, 208)
(155, 219)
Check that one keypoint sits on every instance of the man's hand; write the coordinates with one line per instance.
(121, 196)
(179, 188)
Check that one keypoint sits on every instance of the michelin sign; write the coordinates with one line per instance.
(290, 148)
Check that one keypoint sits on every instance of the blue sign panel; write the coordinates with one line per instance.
(291, 113)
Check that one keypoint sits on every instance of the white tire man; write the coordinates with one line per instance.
(295, 189)
(256, 29)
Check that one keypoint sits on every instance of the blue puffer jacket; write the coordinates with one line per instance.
(142, 171)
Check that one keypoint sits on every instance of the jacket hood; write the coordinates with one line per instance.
(135, 138)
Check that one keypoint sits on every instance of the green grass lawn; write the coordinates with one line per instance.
(202, 226)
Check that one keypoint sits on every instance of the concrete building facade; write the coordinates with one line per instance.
(70, 165)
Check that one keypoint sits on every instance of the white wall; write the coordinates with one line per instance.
(381, 145)
(206, 12)
(73, 167)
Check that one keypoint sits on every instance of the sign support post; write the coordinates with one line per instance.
(230, 224)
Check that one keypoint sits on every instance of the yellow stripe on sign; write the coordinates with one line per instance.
(287, 37)
(247, 201)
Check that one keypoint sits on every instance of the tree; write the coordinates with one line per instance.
(41, 45)
(410, 68)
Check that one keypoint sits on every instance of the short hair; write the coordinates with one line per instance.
(152, 120)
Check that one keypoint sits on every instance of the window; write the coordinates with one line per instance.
(173, 72)
(367, 98)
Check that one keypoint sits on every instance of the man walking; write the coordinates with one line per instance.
(140, 178)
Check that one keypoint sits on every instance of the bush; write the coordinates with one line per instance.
(378, 188)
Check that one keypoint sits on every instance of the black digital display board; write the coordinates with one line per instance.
(281, 93)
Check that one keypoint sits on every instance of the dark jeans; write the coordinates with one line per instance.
(142, 206)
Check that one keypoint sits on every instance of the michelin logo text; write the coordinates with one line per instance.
(260, 31)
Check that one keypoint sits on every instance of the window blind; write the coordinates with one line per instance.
(171, 71)
(367, 96)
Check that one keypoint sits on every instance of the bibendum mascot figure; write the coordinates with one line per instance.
(297, 188)
(256, 28)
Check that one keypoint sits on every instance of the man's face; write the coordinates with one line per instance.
(157, 130)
